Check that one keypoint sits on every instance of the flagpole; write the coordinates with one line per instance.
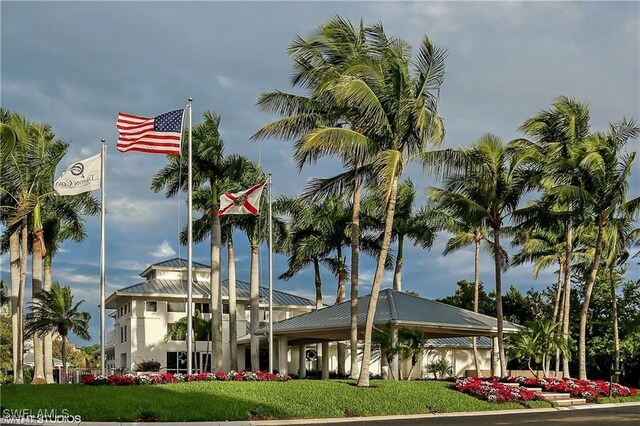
(103, 161)
(270, 281)
(190, 256)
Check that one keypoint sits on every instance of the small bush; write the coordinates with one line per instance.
(148, 365)
(440, 368)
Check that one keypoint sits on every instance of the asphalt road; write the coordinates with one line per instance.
(594, 416)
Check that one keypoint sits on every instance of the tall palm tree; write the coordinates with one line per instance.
(54, 312)
(321, 57)
(557, 133)
(208, 172)
(466, 229)
(606, 171)
(487, 189)
(620, 234)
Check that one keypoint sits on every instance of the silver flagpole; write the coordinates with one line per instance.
(190, 257)
(103, 184)
(270, 281)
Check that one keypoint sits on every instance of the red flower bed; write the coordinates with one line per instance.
(589, 389)
(494, 391)
(164, 378)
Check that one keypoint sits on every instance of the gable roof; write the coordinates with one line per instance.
(398, 308)
(201, 289)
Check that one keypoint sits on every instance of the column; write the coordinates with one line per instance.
(302, 361)
(325, 360)
(283, 348)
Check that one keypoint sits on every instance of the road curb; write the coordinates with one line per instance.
(355, 419)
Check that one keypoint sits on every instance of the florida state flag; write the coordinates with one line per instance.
(243, 202)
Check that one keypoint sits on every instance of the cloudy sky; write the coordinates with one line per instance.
(76, 64)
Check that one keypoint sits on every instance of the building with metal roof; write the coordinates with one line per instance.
(144, 313)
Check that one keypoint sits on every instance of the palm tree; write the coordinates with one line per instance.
(325, 54)
(208, 172)
(487, 190)
(466, 230)
(54, 312)
(620, 234)
(419, 226)
(558, 131)
(607, 171)
(411, 346)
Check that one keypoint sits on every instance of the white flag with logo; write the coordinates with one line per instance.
(81, 176)
(243, 202)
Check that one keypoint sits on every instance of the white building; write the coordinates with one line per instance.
(143, 314)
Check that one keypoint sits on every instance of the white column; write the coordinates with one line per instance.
(283, 349)
(302, 361)
(325, 360)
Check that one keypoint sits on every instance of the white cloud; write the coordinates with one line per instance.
(225, 81)
(164, 250)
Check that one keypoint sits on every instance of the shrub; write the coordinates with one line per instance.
(440, 368)
(164, 378)
(494, 391)
(148, 365)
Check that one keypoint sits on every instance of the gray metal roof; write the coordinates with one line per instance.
(179, 263)
(482, 341)
(201, 290)
(393, 306)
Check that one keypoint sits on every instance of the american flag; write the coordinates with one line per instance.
(158, 135)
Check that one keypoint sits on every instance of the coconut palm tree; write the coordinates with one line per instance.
(54, 312)
(419, 226)
(606, 171)
(558, 132)
(620, 234)
(488, 190)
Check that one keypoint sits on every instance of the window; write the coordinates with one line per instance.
(225, 308)
(121, 311)
(175, 307)
(125, 334)
(203, 308)
(121, 334)
(126, 308)
(177, 362)
(151, 306)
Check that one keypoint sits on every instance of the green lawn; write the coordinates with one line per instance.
(635, 398)
(200, 401)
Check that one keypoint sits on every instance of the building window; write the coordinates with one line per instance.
(203, 308)
(121, 335)
(225, 308)
(125, 334)
(121, 311)
(151, 306)
(126, 309)
(175, 307)
(177, 362)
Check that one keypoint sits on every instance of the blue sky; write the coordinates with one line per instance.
(76, 64)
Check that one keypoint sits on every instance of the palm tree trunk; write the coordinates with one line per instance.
(560, 318)
(23, 279)
(64, 359)
(397, 275)
(614, 315)
(342, 349)
(36, 287)
(355, 254)
(556, 308)
(499, 313)
(216, 285)
(476, 296)
(255, 308)
(318, 282)
(567, 295)
(233, 324)
(582, 342)
(48, 338)
(16, 306)
(363, 380)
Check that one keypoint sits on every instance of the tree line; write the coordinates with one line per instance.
(365, 99)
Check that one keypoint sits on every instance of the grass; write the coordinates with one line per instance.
(603, 400)
(211, 401)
